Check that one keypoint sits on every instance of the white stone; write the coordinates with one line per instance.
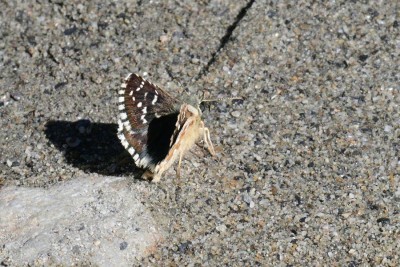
(93, 214)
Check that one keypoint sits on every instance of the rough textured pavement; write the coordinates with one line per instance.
(308, 166)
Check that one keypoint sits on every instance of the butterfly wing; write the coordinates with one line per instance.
(188, 129)
(147, 118)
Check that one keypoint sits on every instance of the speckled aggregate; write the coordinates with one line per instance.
(307, 169)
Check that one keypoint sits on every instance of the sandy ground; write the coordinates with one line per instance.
(307, 169)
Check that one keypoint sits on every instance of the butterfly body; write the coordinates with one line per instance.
(155, 128)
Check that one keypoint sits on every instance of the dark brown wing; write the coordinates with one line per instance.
(147, 117)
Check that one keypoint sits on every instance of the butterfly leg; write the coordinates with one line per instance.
(178, 170)
(156, 178)
(208, 142)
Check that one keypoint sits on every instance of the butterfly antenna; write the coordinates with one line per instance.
(221, 99)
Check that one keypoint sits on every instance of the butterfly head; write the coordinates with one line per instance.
(194, 101)
(205, 103)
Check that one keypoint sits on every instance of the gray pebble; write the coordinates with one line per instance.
(235, 114)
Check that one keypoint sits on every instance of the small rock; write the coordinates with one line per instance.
(9, 163)
(235, 114)
(12, 163)
(164, 38)
(82, 93)
(383, 221)
(252, 191)
(184, 246)
(388, 128)
(70, 31)
(16, 96)
(303, 219)
(252, 204)
(195, 60)
(96, 79)
(247, 198)
(123, 245)
(346, 215)
(221, 228)
(76, 250)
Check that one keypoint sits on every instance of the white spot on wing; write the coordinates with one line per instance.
(154, 100)
(131, 150)
(123, 85)
(136, 157)
(128, 127)
(123, 116)
(121, 92)
(121, 107)
(125, 143)
(139, 104)
(144, 110)
(130, 93)
(143, 119)
(120, 127)
(138, 89)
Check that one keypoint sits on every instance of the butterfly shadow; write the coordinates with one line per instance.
(92, 147)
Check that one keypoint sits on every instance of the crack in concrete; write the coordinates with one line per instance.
(226, 38)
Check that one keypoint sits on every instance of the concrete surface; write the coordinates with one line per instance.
(308, 166)
(91, 220)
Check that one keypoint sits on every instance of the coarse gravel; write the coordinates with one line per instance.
(307, 170)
